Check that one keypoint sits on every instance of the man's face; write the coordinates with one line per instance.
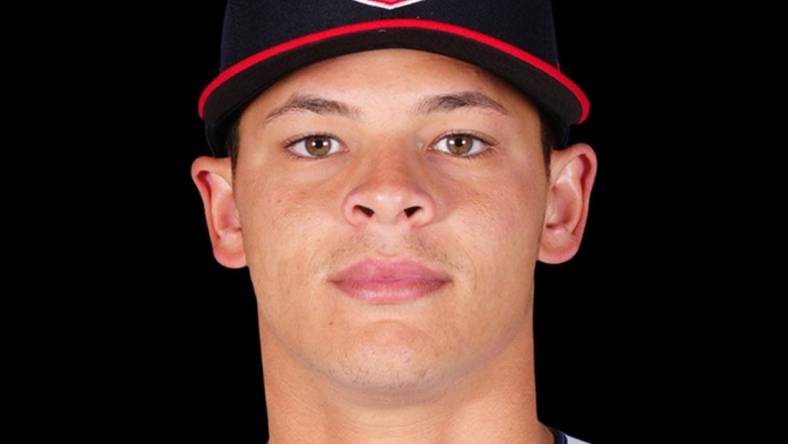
(478, 219)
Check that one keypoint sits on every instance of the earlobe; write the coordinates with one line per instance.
(213, 177)
(573, 170)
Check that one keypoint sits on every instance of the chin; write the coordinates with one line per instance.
(404, 381)
(390, 359)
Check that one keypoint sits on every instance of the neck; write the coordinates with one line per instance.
(497, 403)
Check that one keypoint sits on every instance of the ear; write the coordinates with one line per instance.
(572, 173)
(213, 177)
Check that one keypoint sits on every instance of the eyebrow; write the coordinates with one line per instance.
(429, 104)
(463, 99)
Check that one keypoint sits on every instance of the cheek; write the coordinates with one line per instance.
(504, 215)
(274, 215)
(500, 227)
(281, 233)
(284, 239)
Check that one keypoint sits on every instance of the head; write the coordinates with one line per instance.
(385, 181)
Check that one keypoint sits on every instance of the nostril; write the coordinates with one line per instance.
(366, 210)
(411, 210)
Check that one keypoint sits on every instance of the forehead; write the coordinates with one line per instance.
(395, 75)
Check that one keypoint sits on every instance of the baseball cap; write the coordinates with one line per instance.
(264, 40)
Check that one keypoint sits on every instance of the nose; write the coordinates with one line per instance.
(390, 193)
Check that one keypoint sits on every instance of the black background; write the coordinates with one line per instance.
(173, 335)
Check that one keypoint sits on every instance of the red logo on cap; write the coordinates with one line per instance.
(388, 4)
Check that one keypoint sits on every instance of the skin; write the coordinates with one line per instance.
(453, 367)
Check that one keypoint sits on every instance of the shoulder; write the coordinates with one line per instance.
(571, 440)
(563, 438)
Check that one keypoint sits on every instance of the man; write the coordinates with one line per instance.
(391, 183)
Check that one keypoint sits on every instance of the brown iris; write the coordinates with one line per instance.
(317, 145)
(462, 143)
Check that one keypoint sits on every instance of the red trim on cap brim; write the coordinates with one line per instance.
(525, 56)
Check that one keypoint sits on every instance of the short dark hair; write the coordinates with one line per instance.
(552, 136)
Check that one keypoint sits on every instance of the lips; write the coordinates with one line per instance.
(377, 281)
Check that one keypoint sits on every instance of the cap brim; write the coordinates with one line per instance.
(541, 82)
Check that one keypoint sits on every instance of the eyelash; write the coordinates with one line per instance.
(488, 145)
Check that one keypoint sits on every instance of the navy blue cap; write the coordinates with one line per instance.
(264, 40)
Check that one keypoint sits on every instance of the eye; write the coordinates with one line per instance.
(461, 144)
(314, 146)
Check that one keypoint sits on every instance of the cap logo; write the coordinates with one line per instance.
(388, 4)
